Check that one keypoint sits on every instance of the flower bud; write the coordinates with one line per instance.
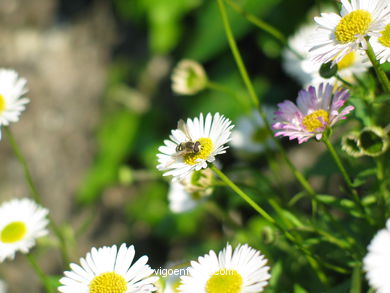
(328, 70)
(188, 78)
(373, 141)
(350, 145)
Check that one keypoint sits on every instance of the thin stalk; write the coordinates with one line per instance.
(343, 81)
(34, 192)
(243, 195)
(255, 99)
(277, 34)
(383, 193)
(381, 74)
(309, 256)
(341, 167)
(41, 275)
(345, 175)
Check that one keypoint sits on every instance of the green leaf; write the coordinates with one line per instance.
(115, 140)
(299, 289)
(209, 37)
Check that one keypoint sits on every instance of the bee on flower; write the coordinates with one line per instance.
(317, 109)
(194, 144)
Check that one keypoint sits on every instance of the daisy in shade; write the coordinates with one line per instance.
(193, 144)
(377, 261)
(187, 193)
(338, 35)
(108, 269)
(243, 270)
(307, 72)
(381, 45)
(12, 100)
(22, 221)
(317, 109)
(251, 135)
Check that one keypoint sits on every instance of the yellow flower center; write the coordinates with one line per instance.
(385, 38)
(206, 147)
(226, 281)
(2, 103)
(315, 120)
(108, 283)
(352, 25)
(347, 61)
(13, 232)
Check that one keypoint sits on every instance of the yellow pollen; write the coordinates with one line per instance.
(315, 120)
(224, 280)
(13, 232)
(352, 25)
(385, 38)
(2, 103)
(108, 283)
(206, 147)
(347, 61)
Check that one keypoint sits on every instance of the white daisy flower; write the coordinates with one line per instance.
(186, 194)
(108, 269)
(194, 144)
(307, 72)
(338, 35)
(377, 261)
(188, 78)
(22, 221)
(12, 100)
(381, 45)
(3, 287)
(243, 270)
(251, 134)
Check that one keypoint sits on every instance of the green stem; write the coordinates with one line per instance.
(244, 74)
(34, 191)
(383, 79)
(383, 193)
(309, 256)
(41, 275)
(243, 195)
(345, 175)
(341, 167)
(263, 26)
(343, 81)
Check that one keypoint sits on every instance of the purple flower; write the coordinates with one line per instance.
(317, 109)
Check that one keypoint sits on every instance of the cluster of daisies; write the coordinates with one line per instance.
(186, 156)
(113, 269)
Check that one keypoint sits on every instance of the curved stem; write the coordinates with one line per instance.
(309, 256)
(34, 192)
(345, 175)
(41, 275)
(264, 26)
(383, 193)
(381, 74)
(244, 74)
